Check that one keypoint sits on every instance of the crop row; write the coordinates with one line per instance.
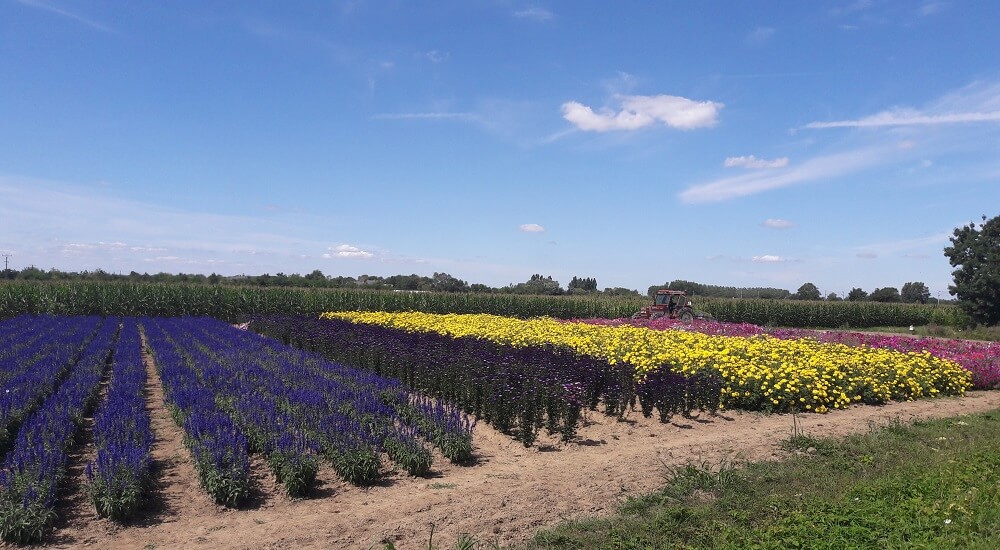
(759, 373)
(234, 393)
(518, 390)
(36, 465)
(233, 304)
(824, 314)
(982, 359)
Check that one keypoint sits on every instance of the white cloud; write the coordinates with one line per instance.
(751, 161)
(757, 182)
(640, 111)
(532, 228)
(347, 251)
(767, 259)
(535, 14)
(777, 223)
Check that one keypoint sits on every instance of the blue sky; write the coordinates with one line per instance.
(730, 143)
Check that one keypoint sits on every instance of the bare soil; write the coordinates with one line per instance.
(505, 496)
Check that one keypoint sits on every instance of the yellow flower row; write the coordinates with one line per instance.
(759, 372)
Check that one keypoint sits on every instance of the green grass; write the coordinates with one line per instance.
(935, 484)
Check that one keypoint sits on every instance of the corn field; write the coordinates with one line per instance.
(234, 304)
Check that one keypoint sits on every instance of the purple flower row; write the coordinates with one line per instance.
(349, 413)
(33, 469)
(123, 435)
(217, 444)
(34, 373)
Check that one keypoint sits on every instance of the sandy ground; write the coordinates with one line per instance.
(505, 497)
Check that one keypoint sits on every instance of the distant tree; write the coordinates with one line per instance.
(442, 282)
(807, 291)
(582, 285)
(887, 294)
(480, 288)
(538, 284)
(832, 297)
(340, 281)
(698, 289)
(915, 292)
(620, 291)
(975, 253)
(857, 295)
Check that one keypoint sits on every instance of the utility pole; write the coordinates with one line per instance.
(5, 256)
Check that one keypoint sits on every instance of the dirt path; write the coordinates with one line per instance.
(509, 494)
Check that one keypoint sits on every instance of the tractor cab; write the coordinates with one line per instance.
(672, 304)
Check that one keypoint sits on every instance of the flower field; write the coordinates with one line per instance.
(982, 359)
(355, 395)
(234, 393)
(758, 372)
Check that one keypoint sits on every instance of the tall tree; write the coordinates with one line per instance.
(807, 291)
(914, 292)
(857, 295)
(887, 294)
(975, 253)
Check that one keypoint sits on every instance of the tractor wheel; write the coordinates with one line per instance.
(686, 317)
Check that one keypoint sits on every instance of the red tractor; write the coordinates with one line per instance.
(672, 304)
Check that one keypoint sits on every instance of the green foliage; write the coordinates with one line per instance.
(297, 473)
(715, 291)
(359, 465)
(826, 314)
(975, 253)
(408, 453)
(857, 295)
(234, 303)
(807, 291)
(25, 524)
(931, 485)
(887, 294)
(915, 292)
(117, 498)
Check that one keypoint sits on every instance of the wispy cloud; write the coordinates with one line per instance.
(425, 116)
(49, 7)
(777, 223)
(768, 259)
(931, 8)
(435, 56)
(754, 162)
(906, 246)
(811, 170)
(638, 111)
(531, 228)
(760, 35)
(978, 102)
(909, 118)
(534, 14)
